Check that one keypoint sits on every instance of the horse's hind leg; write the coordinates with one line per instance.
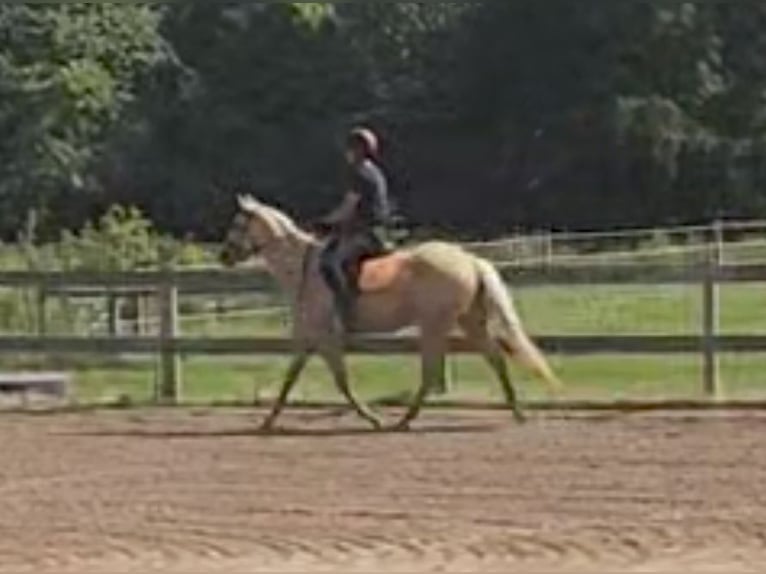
(433, 351)
(475, 327)
(333, 356)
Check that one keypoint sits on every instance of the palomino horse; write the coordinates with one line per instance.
(435, 287)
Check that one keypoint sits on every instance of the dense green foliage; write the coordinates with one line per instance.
(69, 76)
(495, 115)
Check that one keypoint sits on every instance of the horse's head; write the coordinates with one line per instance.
(255, 227)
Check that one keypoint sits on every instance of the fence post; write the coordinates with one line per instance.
(711, 320)
(113, 314)
(445, 383)
(449, 370)
(719, 240)
(42, 307)
(548, 238)
(170, 363)
(142, 314)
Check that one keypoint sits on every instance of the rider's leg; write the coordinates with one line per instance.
(341, 265)
(332, 266)
(346, 262)
(327, 264)
(362, 246)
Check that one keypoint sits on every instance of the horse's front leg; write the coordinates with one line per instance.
(293, 373)
(333, 356)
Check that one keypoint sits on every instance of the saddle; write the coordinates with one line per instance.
(370, 274)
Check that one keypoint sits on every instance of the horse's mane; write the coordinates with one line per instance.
(280, 219)
(285, 222)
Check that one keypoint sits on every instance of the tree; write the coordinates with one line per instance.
(267, 90)
(494, 114)
(69, 74)
(591, 103)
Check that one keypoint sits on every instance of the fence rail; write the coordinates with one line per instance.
(169, 345)
(564, 345)
(224, 281)
(714, 228)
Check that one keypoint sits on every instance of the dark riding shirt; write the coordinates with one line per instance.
(362, 237)
(368, 181)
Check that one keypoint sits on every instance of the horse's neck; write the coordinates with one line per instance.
(286, 261)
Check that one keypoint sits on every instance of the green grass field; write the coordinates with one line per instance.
(601, 378)
(608, 310)
(565, 311)
(592, 310)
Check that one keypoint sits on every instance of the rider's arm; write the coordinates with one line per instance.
(345, 211)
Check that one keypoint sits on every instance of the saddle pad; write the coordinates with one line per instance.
(380, 273)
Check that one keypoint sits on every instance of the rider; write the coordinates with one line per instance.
(358, 226)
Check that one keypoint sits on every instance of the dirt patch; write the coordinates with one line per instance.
(183, 491)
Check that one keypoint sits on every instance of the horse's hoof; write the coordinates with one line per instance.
(377, 424)
(266, 427)
(403, 426)
(520, 417)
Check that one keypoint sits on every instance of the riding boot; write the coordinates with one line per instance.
(345, 304)
(343, 295)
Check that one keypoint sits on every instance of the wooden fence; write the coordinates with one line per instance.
(169, 344)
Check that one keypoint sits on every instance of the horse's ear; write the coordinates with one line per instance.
(249, 204)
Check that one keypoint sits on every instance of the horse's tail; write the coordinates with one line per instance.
(505, 325)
